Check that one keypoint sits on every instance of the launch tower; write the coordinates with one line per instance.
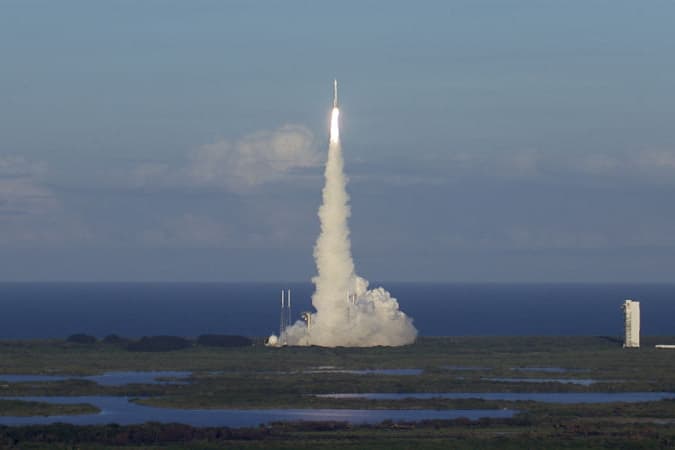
(631, 311)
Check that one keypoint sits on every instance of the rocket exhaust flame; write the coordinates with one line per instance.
(335, 126)
(347, 312)
(335, 118)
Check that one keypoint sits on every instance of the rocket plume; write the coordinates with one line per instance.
(335, 128)
(347, 313)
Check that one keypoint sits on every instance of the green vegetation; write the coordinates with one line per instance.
(456, 434)
(223, 340)
(113, 339)
(81, 338)
(24, 408)
(601, 357)
(158, 344)
(254, 376)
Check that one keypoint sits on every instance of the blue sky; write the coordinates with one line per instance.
(485, 140)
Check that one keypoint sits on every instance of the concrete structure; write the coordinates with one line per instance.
(631, 311)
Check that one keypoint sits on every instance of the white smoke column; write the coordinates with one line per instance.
(373, 317)
(332, 252)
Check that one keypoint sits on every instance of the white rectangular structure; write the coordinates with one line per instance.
(631, 311)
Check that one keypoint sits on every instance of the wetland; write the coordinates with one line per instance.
(457, 383)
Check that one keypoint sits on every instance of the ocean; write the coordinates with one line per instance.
(56, 310)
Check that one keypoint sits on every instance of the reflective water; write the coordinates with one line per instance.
(31, 378)
(156, 377)
(465, 368)
(546, 397)
(107, 379)
(367, 371)
(547, 369)
(119, 410)
(579, 381)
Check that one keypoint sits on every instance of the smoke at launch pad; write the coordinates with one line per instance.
(347, 312)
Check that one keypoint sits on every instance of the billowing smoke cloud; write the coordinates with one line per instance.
(347, 312)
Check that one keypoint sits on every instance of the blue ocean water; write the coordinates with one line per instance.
(42, 310)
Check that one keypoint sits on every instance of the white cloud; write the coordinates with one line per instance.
(253, 160)
(18, 166)
(643, 165)
(661, 160)
(235, 165)
(21, 192)
(30, 212)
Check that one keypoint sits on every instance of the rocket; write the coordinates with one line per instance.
(335, 97)
(334, 117)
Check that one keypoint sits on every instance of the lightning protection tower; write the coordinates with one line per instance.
(286, 316)
(631, 311)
